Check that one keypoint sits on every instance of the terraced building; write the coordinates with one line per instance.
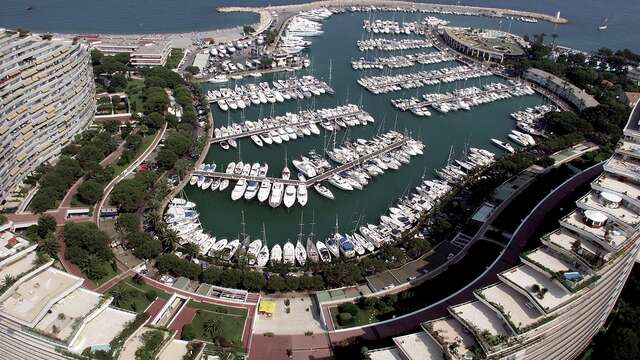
(47, 95)
(552, 304)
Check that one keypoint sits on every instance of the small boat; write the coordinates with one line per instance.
(312, 251)
(215, 184)
(289, 196)
(288, 253)
(239, 189)
(256, 139)
(252, 251)
(300, 253)
(324, 191)
(604, 25)
(193, 180)
(217, 247)
(265, 190)
(302, 194)
(276, 253)
(230, 249)
(263, 256)
(252, 189)
(276, 194)
(346, 246)
(286, 173)
(323, 251)
(503, 145)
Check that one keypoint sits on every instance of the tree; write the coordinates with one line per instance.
(248, 29)
(253, 281)
(166, 159)
(212, 328)
(128, 194)
(153, 120)
(190, 250)
(276, 283)
(90, 191)
(46, 224)
(111, 126)
(133, 141)
(292, 283)
(212, 275)
(127, 223)
(231, 278)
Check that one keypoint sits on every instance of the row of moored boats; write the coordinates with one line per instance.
(393, 44)
(402, 61)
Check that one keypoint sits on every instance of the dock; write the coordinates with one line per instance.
(311, 117)
(413, 105)
(311, 181)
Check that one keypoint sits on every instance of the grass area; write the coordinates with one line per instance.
(363, 317)
(112, 273)
(174, 58)
(230, 326)
(217, 308)
(133, 295)
(146, 141)
(134, 92)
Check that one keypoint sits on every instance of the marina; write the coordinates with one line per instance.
(528, 119)
(403, 61)
(293, 88)
(388, 83)
(292, 126)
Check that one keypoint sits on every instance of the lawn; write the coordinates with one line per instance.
(231, 323)
(363, 317)
(134, 298)
(174, 58)
(134, 92)
(146, 141)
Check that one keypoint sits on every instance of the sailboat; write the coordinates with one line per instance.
(604, 25)
(333, 243)
(276, 253)
(323, 251)
(288, 255)
(312, 251)
(300, 252)
(263, 255)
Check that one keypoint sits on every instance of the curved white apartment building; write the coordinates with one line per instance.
(552, 304)
(47, 95)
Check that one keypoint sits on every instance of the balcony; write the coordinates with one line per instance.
(582, 250)
(453, 338)
(618, 185)
(613, 206)
(571, 274)
(510, 305)
(595, 226)
(627, 168)
(489, 329)
(545, 293)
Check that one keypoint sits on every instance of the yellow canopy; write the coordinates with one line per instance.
(267, 307)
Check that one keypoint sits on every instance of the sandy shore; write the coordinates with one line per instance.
(478, 10)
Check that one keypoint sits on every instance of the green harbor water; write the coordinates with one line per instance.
(331, 55)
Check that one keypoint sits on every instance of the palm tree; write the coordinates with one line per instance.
(211, 327)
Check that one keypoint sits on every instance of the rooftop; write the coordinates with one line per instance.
(452, 335)
(564, 239)
(629, 148)
(62, 319)
(386, 354)
(511, 304)
(28, 301)
(102, 329)
(11, 244)
(627, 167)
(176, 349)
(18, 266)
(558, 82)
(479, 315)
(487, 39)
(419, 346)
(533, 283)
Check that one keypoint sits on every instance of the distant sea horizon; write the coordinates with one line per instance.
(167, 16)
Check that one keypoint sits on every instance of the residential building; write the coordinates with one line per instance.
(563, 88)
(552, 304)
(143, 51)
(46, 97)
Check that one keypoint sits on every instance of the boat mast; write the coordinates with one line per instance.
(301, 224)
(264, 235)
(313, 218)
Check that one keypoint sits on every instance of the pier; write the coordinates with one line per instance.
(385, 84)
(408, 104)
(311, 181)
(310, 117)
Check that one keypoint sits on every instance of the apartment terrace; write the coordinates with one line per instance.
(453, 338)
(11, 244)
(512, 306)
(546, 293)
(571, 244)
(101, 329)
(610, 236)
(419, 346)
(628, 148)
(64, 318)
(618, 185)
(28, 300)
(626, 167)
(489, 329)
(573, 276)
(612, 205)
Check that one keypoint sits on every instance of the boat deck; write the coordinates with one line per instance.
(455, 98)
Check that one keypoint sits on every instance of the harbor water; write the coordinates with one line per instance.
(331, 55)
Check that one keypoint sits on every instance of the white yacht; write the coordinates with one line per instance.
(277, 191)
(252, 251)
(265, 190)
(230, 249)
(323, 251)
(324, 191)
(239, 189)
(503, 145)
(276, 253)
(252, 189)
(289, 196)
(288, 253)
(302, 194)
